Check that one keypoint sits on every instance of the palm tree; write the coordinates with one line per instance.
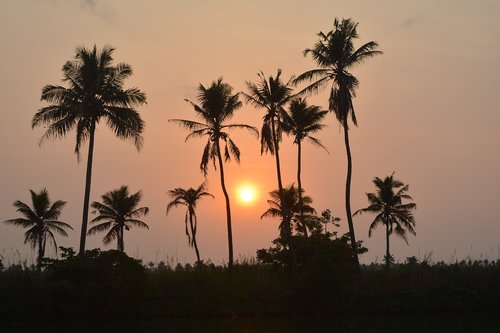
(272, 95)
(335, 55)
(189, 198)
(216, 108)
(117, 212)
(95, 93)
(391, 211)
(42, 221)
(292, 203)
(301, 121)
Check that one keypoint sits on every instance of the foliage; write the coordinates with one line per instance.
(118, 212)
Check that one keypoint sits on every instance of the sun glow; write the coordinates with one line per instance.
(247, 194)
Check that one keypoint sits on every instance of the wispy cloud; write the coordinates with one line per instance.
(98, 8)
(415, 22)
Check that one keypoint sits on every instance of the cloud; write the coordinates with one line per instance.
(98, 8)
(415, 22)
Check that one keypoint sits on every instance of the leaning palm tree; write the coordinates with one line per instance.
(189, 198)
(335, 55)
(117, 212)
(391, 211)
(42, 221)
(272, 95)
(301, 121)
(292, 203)
(216, 108)
(95, 94)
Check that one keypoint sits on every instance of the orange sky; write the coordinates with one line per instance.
(427, 109)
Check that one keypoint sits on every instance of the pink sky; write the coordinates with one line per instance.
(427, 109)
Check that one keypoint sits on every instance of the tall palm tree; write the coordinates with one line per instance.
(189, 198)
(216, 107)
(272, 95)
(42, 221)
(95, 92)
(336, 55)
(301, 121)
(292, 203)
(388, 204)
(117, 212)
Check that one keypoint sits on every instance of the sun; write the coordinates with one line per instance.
(247, 194)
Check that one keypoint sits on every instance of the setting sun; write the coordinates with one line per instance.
(247, 194)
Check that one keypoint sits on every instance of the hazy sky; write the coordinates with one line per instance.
(428, 108)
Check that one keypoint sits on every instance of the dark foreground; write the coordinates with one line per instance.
(109, 286)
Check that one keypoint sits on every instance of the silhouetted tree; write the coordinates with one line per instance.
(189, 198)
(391, 211)
(42, 221)
(302, 121)
(335, 55)
(117, 212)
(95, 93)
(272, 95)
(216, 106)
(293, 205)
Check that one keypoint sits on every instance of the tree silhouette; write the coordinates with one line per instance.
(301, 121)
(335, 55)
(391, 211)
(42, 221)
(291, 202)
(189, 198)
(117, 212)
(272, 95)
(216, 106)
(95, 93)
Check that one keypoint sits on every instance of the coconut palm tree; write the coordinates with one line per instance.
(336, 55)
(388, 204)
(189, 198)
(272, 94)
(301, 121)
(291, 202)
(95, 93)
(117, 212)
(216, 107)
(42, 221)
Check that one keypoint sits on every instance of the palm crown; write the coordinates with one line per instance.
(118, 211)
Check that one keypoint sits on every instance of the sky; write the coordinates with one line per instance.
(427, 110)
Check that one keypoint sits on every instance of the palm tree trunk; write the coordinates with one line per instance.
(40, 253)
(284, 212)
(299, 184)
(228, 207)
(193, 235)
(348, 196)
(387, 253)
(86, 198)
(121, 245)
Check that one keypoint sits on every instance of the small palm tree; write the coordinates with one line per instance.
(291, 203)
(95, 94)
(391, 211)
(189, 198)
(335, 55)
(42, 221)
(272, 94)
(117, 212)
(301, 121)
(216, 108)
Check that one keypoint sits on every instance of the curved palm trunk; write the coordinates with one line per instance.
(121, 245)
(387, 253)
(86, 198)
(284, 212)
(193, 235)
(299, 184)
(228, 208)
(348, 196)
